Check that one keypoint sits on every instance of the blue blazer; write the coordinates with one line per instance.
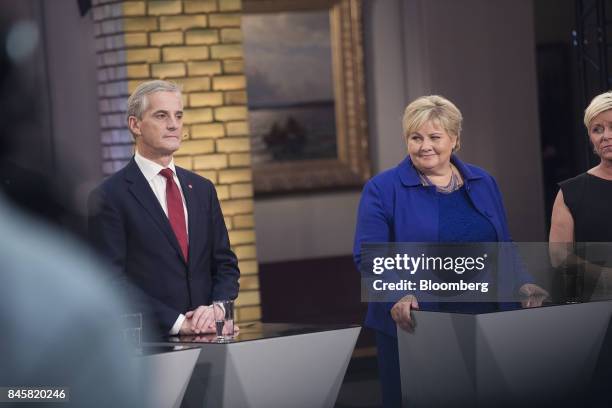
(396, 207)
(128, 225)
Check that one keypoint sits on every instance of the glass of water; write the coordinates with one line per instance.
(224, 319)
(131, 326)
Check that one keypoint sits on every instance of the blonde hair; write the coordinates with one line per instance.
(599, 104)
(433, 108)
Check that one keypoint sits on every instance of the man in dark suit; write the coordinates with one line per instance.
(161, 226)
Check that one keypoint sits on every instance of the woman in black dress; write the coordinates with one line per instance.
(582, 212)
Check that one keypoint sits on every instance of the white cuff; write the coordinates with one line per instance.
(177, 325)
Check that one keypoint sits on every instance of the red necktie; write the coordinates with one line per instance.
(176, 213)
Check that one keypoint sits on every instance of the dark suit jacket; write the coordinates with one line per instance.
(128, 225)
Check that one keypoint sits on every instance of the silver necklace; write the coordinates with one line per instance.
(452, 185)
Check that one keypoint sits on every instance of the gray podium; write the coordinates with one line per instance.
(271, 365)
(528, 357)
(168, 371)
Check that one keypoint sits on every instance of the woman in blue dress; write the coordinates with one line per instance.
(431, 196)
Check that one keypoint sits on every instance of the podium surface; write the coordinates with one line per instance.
(167, 372)
(546, 356)
(270, 365)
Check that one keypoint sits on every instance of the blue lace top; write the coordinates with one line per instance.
(460, 221)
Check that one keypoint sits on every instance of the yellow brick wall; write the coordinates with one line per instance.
(197, 44)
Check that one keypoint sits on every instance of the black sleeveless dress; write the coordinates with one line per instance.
(589, 199)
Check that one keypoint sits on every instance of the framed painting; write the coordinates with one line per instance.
(305, 87)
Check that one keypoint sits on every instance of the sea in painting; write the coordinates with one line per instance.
(288, 65)
(300, 132)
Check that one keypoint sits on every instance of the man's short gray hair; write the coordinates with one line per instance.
(137, 102)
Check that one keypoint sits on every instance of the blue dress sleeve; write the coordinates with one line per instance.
(374, 225)
(372, 221)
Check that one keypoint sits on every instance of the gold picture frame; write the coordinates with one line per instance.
(350, 166)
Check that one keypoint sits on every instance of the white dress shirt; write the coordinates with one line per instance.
(151, 170)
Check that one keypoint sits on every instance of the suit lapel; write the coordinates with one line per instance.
(191, 202)
(141, 190)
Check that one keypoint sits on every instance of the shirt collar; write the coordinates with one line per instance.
(149, 168)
